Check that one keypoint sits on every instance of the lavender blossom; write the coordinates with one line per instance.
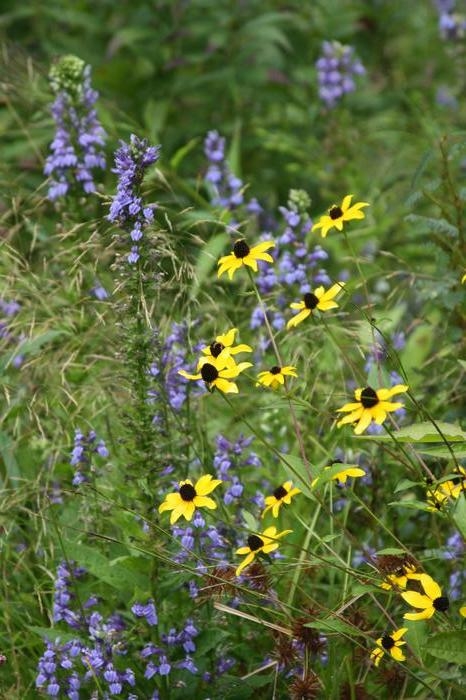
(336, 69)
(81, 455)
(226, 188)
(452, 25)
(76, 147)
(127, 208)
(147, 611)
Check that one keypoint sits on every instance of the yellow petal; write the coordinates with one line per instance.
(206, 484)
(245, 563)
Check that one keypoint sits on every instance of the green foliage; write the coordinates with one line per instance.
(71, 361)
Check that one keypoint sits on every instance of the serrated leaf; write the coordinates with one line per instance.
(449, 646)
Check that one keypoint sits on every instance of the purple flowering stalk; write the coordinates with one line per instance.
(452, 24)
(76, 150)
(81, 455)
(336, 69)
(127, 208)
(225, 188)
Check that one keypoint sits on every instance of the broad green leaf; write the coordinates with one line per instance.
(405, 484)
(450, 646)
(250, 520)
(413, 505)
(459, 514)
(458, 449)
(51, 633)
(416, 635)
(118, 575)
(391, 550)
(423, 432)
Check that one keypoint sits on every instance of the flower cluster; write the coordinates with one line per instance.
(127, 208)
(226, 188)
(79, 137)
(445, 492)
(452, 25)
(336, 69)
(81, 455)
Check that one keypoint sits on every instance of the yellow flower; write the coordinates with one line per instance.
(216, 374)
(341, 477)
(223, 345)
(337, 215)
(441, 494)
(275, 376)
(463, 279)
(432, 601)
(463, 611)
(188, 498)
(319, 299)
(282, 494)
(371, 405)
(265, 542)
(244, 255)
(399, 580)
(389, 643)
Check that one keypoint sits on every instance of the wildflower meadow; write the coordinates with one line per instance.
(232, 322)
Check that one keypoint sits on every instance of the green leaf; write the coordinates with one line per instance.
(458, 449)
(449, 646)
(31, 346)
(207, 260)
(423, 432)
(413, 505)
(250, 520)
(441, 226)
(7, 449)
(405, 484)
(416, 635)
(115, 574)
(459, 514)
(182, 152)
(294, 466)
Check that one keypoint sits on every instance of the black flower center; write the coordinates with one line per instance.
(188, 492)
(216, 348)
(280, 493)
(310, 300)
(335, 212)
(241, 249)
(275, 369)
(255, 543)
(441, 604)
(209, 373)
(369, 398)
(387, 642)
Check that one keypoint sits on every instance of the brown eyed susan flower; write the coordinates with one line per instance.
(215, 374)
(463, 611)
(318, 299)
(223, 344)
(337, 215)
(446, 491)
(399, 576)
(244, 255)
(185, 501)
(282, 494)
(370, 405)
(389, 643)
(342, 477)
(275, 376)
(265, 542)
(428, 604)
